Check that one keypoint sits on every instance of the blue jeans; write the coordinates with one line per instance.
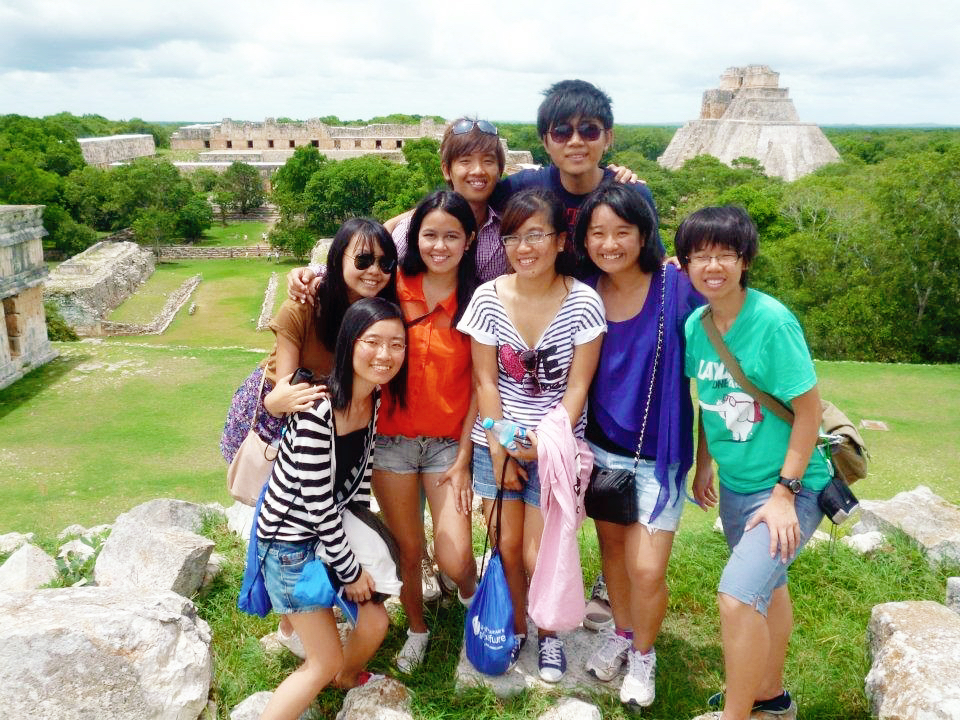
(284, 564)
(485, 478)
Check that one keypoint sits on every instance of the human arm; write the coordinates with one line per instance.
(392, 223)
(458, 475)
(285, 398)
(779, 512)
(704, 491)
(485, 372)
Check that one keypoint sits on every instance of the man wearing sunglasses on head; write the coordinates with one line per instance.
(575, 124)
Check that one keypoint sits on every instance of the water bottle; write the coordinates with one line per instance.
(507, 432)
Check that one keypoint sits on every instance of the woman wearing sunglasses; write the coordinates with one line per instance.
(361, 262)
(424, 446)
(535, 340)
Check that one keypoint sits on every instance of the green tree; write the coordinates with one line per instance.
(366, 185)
(154, 226)
(423, 159)
(293, 236)
(194, 217)
(243, 182)
(289, 182)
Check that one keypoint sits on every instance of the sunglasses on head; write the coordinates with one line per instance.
(367, 259)
(586, 129)
(462, 127)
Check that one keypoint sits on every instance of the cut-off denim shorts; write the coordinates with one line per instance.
(647, 488)
(411, 456)
(751, 575)
(284, 564)
(485, 481)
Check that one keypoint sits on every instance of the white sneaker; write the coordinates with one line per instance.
(638, 683)
(411, 654)
(609, 657)
(292, 643)
(597, 614)
(431, 586)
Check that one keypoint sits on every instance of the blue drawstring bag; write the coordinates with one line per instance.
(253, 598)
(488, 631)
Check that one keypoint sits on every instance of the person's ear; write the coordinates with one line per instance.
(609, 134)
(445, 169)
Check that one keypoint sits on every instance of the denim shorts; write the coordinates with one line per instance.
(411, 456)
(485, 484)
(751, 575)
(647, 487)
(283, 566)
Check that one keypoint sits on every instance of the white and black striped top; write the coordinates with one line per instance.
(303, 502)
(579, 320)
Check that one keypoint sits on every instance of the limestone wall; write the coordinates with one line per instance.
(23, 332)
(89, 285)
(103, 151)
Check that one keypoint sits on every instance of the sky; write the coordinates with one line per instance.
(865, 62)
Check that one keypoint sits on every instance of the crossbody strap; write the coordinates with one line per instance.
(733, 367)
(656, 365)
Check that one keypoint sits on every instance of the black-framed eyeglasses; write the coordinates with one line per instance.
(367, 259)
(588, 131)
(462, 127)
(531, 238)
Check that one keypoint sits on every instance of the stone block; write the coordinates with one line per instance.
(103, 653)
(381, 698)
(572, 709)
(953, 594)
(864, 543)
(168, 513)
(915, 651)
(11, 541)
(27, 569)
(928, 519)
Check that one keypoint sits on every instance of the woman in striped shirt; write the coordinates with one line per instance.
(324, 463)
(535, 342)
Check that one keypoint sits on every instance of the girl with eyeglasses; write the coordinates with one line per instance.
(324, 467)
(640, 419)
(361, 262)
(424, 446)
(535, 339)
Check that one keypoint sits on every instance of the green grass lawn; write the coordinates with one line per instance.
(114, 423)
(234, 233)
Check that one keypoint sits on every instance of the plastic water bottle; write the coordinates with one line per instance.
(508, 433)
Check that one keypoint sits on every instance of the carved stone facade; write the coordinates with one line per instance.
(104, 151)
(23, 332)
(749, 115)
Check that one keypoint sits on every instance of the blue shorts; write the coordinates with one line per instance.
(485, 484)
(283, 566)
(411, 456)
(647, 487)
(751, 575)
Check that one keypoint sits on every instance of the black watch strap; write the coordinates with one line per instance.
(794, 485)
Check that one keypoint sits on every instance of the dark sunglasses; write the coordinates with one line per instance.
(462, 127)
(365, 260)
(587, 130)
(529, 359)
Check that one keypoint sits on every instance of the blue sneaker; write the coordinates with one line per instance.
(552, 659)
(779, 705)
(347, 607)
(519, 640)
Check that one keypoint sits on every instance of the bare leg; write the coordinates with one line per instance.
(318, 631)
(452, 540)
(646, 555)
(780, 625)
(746, 653)
(399, 500)
(365, 639)
(532, 534)
(612, 538)
(512, 554)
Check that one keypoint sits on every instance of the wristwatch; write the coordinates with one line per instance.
(792, 484)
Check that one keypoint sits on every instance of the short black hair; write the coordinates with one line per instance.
(456, 205)
(527, 203)
(727, 226)
(569, 99)
(332, 299)
(360, 316)
(632, 208)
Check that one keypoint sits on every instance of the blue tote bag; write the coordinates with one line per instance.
(488, 631)
(253, 598)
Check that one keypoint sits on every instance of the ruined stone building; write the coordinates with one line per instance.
(105, 151)
(749, 115)
(23, 332)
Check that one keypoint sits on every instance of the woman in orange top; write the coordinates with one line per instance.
(426, 444)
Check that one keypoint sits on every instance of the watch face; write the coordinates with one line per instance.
(793, 483)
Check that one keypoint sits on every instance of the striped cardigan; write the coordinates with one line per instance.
(301, 502)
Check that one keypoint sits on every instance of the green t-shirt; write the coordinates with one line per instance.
(747, 441)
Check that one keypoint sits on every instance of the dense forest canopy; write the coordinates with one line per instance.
(866, 252)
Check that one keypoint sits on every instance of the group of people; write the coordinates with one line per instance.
(543, 299)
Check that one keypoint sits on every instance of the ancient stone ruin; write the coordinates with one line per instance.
(105, 151)
(23, 332)
(749, 115)
(89, 285)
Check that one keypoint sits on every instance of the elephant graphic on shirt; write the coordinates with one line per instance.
(740, 413)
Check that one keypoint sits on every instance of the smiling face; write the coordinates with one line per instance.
(379, 352)
(473, 175)
(533, 260)
(715, 272)
(577, 155)
(442, 242)
(612, 243)
(365, 282)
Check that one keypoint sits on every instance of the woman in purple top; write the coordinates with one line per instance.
(640, 418)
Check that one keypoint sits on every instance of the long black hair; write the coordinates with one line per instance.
(358, 318)
(332, 294)
(456, 205)
(629, 206)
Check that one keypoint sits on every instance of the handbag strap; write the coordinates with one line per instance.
(656, 365)
(498, 509)
(733, 367)
(256, 405)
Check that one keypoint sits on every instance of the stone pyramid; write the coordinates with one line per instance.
(750, 115)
